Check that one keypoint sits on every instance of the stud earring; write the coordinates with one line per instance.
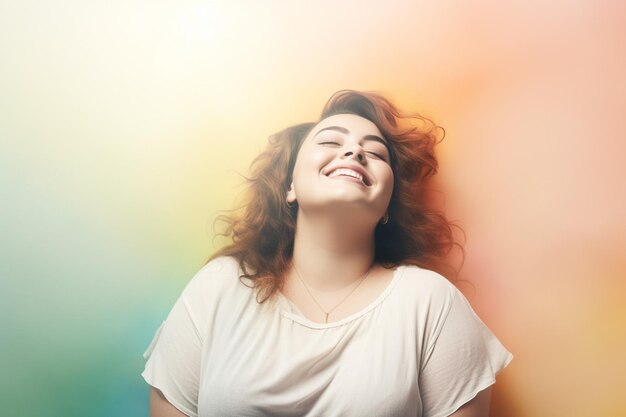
(385, 218)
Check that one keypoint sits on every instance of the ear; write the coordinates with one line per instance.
(291, 194)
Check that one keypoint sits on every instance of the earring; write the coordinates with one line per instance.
(289, 205)
(385, 218)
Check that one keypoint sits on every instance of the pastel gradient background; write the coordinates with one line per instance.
(125, 126)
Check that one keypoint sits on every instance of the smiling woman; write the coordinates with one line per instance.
(339, 152)
(331, 299)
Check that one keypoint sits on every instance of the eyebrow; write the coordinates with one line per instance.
(367, 137)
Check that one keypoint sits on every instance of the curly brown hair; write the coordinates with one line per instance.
(262, 228)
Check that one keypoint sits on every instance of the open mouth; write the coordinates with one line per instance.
(349, 173)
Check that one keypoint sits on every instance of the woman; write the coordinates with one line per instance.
(327, 302)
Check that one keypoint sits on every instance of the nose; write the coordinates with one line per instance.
(354, 151)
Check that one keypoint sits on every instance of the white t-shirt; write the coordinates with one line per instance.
(417, 350)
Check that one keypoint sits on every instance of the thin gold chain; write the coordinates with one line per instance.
(327, 313)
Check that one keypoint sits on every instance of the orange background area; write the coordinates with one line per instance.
(124, 126)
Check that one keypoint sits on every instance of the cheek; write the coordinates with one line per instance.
(311, 162)
(318, 157)
(305, 171)
(388, 183)
(388, 178)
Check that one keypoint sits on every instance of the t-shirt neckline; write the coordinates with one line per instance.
(285, 304)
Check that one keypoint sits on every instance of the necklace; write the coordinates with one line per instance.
(327, 313)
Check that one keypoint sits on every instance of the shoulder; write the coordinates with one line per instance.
(428, 299)
(215, 279)
(217, 268)
(218, 271)
(426, 284)
(425, 295)
(214, 289)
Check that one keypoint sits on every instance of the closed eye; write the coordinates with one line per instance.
(379, 156)
(375, 154)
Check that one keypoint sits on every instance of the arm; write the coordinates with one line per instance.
(160, 407)
(477, 407)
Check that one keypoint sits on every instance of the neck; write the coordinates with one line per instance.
(332, 253)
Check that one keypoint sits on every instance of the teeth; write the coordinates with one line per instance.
(348, 172)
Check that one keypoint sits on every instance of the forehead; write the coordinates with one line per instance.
(357, 125)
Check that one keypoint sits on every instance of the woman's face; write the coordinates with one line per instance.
(344, 161)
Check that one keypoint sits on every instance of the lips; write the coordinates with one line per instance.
(350, 172)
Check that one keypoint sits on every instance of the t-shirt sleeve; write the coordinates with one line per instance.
(174, 356)
(463, 359)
